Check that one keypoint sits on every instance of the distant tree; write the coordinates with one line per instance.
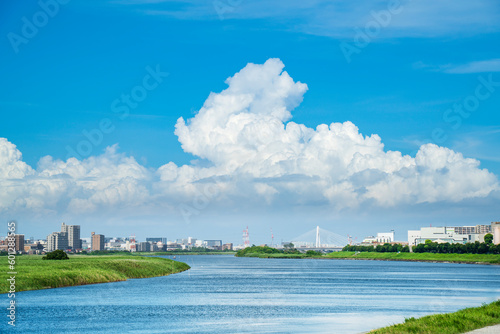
(313, 253)
(56, 255)
(488, 238)
(482, 248)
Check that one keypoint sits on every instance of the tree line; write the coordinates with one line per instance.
(486, 247)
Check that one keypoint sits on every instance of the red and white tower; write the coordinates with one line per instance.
(132, 243)
(246, 238)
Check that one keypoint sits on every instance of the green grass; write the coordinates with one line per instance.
(33, 273)
(431, 257)
(459, 322)
(427, 257)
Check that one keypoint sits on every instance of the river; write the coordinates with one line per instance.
(225, 294)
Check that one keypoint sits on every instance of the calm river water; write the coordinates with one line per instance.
(225, 294)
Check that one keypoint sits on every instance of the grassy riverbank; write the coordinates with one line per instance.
(33, 273)
(266, 252)
(459, 322)
(428, 257)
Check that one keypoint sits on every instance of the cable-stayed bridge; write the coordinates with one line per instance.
(320, 239)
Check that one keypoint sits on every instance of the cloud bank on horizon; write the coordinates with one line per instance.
(249, 152)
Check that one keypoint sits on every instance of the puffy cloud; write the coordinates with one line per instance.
(252, 153)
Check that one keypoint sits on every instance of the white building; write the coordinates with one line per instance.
(384, 237)
(413, 235)
(450, 234)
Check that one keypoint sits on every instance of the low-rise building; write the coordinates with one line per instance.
(448, 234)
(381, 238)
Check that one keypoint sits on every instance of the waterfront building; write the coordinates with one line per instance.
(413, 235)
(57, 240)
(381, 238)
(73, 231)
(228, 246)
(386, 237)
(97, 241)
(449, 234)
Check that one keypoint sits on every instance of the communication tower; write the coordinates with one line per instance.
(132, 243)
(246, 238)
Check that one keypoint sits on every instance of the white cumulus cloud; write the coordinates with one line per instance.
(252, 153)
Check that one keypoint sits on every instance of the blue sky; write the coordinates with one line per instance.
(430, 56)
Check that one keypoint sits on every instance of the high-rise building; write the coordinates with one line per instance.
(228, 246)
(97, 242)
(74, 241)
(144, 247)
(19, 240)
(57, 240)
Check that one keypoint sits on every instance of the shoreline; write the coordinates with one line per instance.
(461, 321)
(410, 260)
(481, 259)
(37, 274)
(371, 259)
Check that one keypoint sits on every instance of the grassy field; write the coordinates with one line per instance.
(33, 273)
(459, 258)
(459, 322)
(427, 257)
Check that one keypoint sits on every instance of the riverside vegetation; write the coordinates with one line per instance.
(458, 322)
(33, 273)
(370, 253)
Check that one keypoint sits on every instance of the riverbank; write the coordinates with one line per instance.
(419, 257)
(33, 273)
(451, 323)
(412, 257)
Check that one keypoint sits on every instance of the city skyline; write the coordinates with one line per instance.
(332, 238)
(282, 126)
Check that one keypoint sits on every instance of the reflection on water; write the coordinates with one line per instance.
(224, 294)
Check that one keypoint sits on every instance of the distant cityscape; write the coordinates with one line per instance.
(70, 241)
